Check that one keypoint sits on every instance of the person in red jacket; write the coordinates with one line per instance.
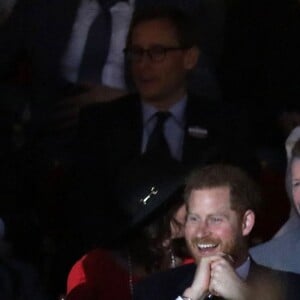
(150, 238)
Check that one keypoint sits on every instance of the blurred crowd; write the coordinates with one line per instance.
(99, 99)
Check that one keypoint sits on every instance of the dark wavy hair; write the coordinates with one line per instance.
(146, 244)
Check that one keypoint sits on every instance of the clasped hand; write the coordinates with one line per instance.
(215, 275)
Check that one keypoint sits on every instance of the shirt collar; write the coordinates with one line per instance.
(243, 270)
(177, 110)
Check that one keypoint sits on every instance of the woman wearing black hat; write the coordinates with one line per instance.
(150, 238)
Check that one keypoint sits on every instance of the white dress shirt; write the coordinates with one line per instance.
(113, 71)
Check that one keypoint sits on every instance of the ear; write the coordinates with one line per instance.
(248, 222)
(191, 57)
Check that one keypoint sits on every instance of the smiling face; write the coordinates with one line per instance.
(161, 83)
(295, 170)
(212, 226)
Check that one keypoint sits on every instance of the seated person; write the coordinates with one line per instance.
(221, 202)
(149, 238)
(278, 253)
(293, 220)
(161, 50)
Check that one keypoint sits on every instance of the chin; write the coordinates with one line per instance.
(151, 97)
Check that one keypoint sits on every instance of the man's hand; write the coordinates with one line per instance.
(200, 286)
(224, 281)
(216, 275)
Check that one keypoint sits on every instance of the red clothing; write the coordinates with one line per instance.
(97, 275)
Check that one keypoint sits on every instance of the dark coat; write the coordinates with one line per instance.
(110, 136)
(170, 284)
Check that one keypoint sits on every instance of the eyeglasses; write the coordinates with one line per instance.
(155, 53)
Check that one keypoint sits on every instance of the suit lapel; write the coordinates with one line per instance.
(194, 143)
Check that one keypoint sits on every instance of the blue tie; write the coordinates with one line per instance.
(157, 146)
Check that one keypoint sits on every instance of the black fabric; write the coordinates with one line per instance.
(157, 145)
(144, 185)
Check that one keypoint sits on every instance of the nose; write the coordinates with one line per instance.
(141, 67)
(202, 229)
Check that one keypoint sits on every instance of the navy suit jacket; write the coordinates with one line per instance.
(110, 134)
(172, 283)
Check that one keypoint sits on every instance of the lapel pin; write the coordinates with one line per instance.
(197, 132)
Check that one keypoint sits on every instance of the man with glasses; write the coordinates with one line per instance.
(161, 120)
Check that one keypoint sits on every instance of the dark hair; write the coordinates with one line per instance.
(182, 22)
(244, 193)
(146, 243)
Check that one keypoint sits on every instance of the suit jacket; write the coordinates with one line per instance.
(110, 136)
(172, 283)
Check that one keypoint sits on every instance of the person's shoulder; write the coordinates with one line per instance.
(280, 243)
(203, 102)
(91, 257)
(89, 263)
(283, 277)
(263, 247)
(275, 282)
(215, 107)
(278, 252)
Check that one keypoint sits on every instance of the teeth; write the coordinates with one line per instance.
(206, 246)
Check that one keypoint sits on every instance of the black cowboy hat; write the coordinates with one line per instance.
(144, 188)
